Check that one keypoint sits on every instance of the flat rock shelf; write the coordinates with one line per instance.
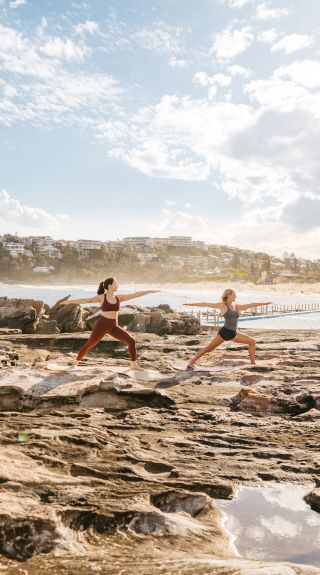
(105, 473)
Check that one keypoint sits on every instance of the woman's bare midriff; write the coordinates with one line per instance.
(110, 314)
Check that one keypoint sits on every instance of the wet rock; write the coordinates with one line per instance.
(313, 499)
(175, 501)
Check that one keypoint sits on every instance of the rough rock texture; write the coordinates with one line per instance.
(33, 316)
(102, 473)
(23, 314)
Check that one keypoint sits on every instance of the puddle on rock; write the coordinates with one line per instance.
(273, 523)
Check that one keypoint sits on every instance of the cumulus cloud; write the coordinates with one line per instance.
(231, 42)
(236, 70)
(265, 11)
(268, 36)
(292, 42)
(26, 218)
(303, 73)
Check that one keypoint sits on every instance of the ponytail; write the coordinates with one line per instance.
(103, 286)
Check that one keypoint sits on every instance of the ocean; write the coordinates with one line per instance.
(176, 296)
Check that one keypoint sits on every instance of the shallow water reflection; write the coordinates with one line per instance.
(274, 523)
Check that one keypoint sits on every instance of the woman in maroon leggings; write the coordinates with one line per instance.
(108, 323)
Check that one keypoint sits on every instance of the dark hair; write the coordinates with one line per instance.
(104, 285)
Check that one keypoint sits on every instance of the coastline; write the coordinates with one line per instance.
(280, 288)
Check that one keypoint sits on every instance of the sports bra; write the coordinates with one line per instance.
(107, 306)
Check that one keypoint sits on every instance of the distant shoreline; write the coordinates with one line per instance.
(284, 288)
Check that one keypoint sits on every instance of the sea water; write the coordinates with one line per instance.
(176, 297)
(273, 523)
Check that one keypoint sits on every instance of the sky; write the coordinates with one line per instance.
(165, 117)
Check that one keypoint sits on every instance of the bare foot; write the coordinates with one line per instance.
(190, 367)
(135, 366)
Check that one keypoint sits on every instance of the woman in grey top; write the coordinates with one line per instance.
(230, 311)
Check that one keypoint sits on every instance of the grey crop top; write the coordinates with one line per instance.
(231, 319)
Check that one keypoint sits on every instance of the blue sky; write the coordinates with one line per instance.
(195, 117)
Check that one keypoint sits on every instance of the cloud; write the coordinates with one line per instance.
(178, 63)
(89, 27)
(43, 89)
(160, 38)
(292, 43)
(229, 43)
(304, 213)
(220, 79)
(265, 12)
(16, 3)
(236, 70)
(305, 73)
(64, 49)
(13, 213)
(176, 222)
(237, 3)
(268, 36)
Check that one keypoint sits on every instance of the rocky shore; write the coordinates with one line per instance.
(35, 316)
(102, 472)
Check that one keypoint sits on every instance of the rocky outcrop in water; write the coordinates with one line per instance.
(33, 316)
(103, 472)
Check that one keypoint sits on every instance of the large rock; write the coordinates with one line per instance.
(159, 323)
(69, 318)
(48, 326)
(184, 324)
(126, 316)
(140, 323)
(23, 314)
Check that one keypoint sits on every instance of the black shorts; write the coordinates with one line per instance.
(226, 334)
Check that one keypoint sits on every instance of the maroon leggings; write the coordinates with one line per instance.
(108, 326)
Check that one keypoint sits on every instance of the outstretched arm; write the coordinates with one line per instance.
(205, 304)
(95, 299)
(250, 305)
(137, 294)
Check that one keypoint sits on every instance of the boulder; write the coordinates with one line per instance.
(165, 308)
(126, 316)
(24, 318)
(159, 323)
(23, 314)
(140, 323)
(184, 324)
(48, 326)
(92, 319)
(68, 318)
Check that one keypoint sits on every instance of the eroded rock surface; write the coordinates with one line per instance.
(103, 472)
